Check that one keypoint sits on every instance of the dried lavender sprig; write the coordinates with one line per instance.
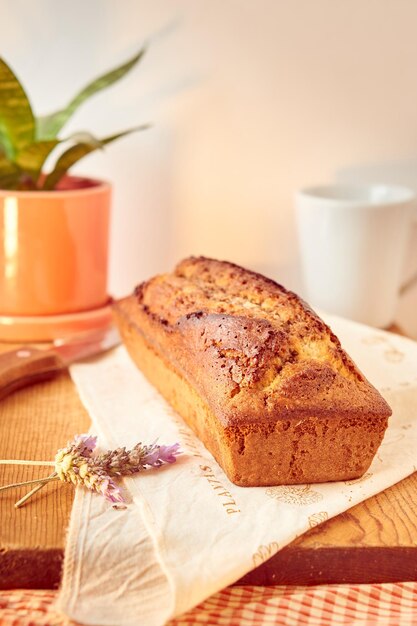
(73, 464)
(76, 464)
(122, 462)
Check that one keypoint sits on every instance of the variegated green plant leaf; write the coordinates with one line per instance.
(31, 158)
(77, 152)
(48, 126)
(6, 145)
(9, 174)
(85, 137)
(17, 124)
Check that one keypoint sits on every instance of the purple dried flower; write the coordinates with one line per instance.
(76, 464)
(84, 444)
(158, 455)
(122, 462)
(110, 490)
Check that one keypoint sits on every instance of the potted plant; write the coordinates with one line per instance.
(53, 227)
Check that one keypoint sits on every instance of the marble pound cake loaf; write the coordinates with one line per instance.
(257, 375)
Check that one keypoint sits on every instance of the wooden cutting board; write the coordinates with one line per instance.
(375, 541)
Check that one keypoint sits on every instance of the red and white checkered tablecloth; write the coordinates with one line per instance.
(389, 604)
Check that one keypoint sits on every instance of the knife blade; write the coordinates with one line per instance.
(27, 365)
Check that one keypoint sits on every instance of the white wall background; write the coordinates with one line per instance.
(249, 99)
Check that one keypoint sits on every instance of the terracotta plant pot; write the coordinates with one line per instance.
(54, 250)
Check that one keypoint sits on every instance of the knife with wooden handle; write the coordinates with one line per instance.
(28, 365)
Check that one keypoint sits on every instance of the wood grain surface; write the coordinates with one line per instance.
(375, 541)
(34, 423)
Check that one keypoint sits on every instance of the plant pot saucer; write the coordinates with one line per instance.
(36, 328)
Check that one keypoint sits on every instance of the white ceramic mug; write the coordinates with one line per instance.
(352, 243)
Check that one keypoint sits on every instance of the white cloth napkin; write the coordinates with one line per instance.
(189, 531)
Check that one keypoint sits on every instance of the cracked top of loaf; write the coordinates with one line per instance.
(254, 351)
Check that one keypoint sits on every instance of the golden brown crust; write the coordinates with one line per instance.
(254, 352)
